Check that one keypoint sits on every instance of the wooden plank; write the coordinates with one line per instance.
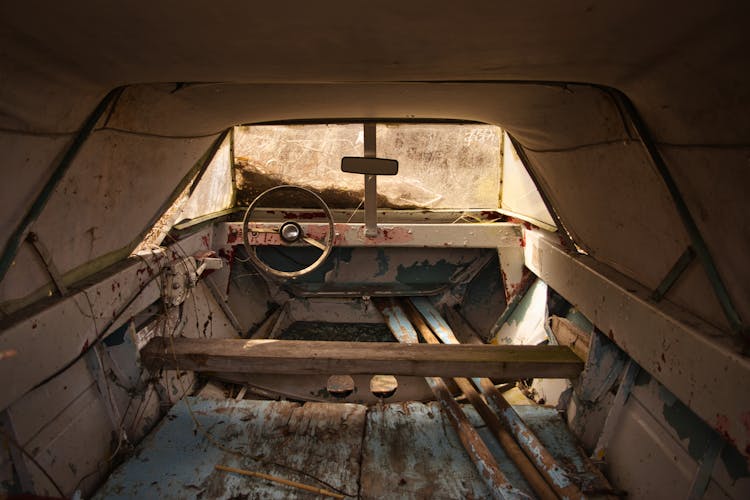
(315, 357)
(567, 333)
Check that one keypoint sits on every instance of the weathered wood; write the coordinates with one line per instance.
(314, 357)
(422, 313)
(572, 336)
(499, 485)
(515, 453)
(531, 474)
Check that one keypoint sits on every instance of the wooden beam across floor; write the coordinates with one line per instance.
(315, 357)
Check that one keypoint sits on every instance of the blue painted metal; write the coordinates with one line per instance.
(623, 393)
(398, 323)
(434, 320)
(705, 468)
(532, 446)
(554, 434)
(407, 451)
(603, 366)
(177, 460)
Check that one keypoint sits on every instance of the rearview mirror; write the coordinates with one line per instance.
(369, 166)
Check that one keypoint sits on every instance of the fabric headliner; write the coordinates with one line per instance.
(683, 68)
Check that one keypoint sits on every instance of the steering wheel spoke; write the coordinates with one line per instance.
(263, 230)
(314, 242)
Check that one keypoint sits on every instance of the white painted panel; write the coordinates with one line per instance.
(26, 275)
(519, 194)
(501, 234)
(644, 460)
(526, 325)
(115, 186)
(31, 159)
(214, 191)
(616, 208)
(715, 183)
(690, 357)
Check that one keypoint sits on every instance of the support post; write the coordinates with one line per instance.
(371, 183)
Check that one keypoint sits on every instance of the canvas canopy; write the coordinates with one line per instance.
(544, 74)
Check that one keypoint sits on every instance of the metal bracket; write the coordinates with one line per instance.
(674, 274)
(49, 264)
(371, 183)
(705, 468)
(623, 393)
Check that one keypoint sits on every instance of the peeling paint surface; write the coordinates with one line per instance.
(405, 450)
(526, 325)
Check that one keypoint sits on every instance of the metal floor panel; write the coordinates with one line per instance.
(403, 451)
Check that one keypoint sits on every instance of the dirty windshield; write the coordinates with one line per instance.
(440, 165)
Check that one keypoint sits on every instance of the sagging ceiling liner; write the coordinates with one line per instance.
(684, 69)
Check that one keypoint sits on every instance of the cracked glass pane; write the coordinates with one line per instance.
(440, 165)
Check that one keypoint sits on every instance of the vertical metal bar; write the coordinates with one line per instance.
(15, 239)
(623, 392)
(371, 183)
(49, 264)
(673, 275)
(705, 468)
(98, 371)
(223, 305)
(25, 477)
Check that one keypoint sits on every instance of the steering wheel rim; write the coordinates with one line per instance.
(253, 256)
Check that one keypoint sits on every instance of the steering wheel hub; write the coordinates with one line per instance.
(290, 231)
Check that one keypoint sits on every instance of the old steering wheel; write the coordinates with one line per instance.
(289, 232)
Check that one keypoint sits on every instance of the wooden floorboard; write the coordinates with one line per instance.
(315, 357)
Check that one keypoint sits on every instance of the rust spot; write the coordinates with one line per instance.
(85, 346)
(398, 235)
(303, 215)
(234, 235)
(493, 215)
(34, 325)
(204, 240)
(745, 417)
(722, 427)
